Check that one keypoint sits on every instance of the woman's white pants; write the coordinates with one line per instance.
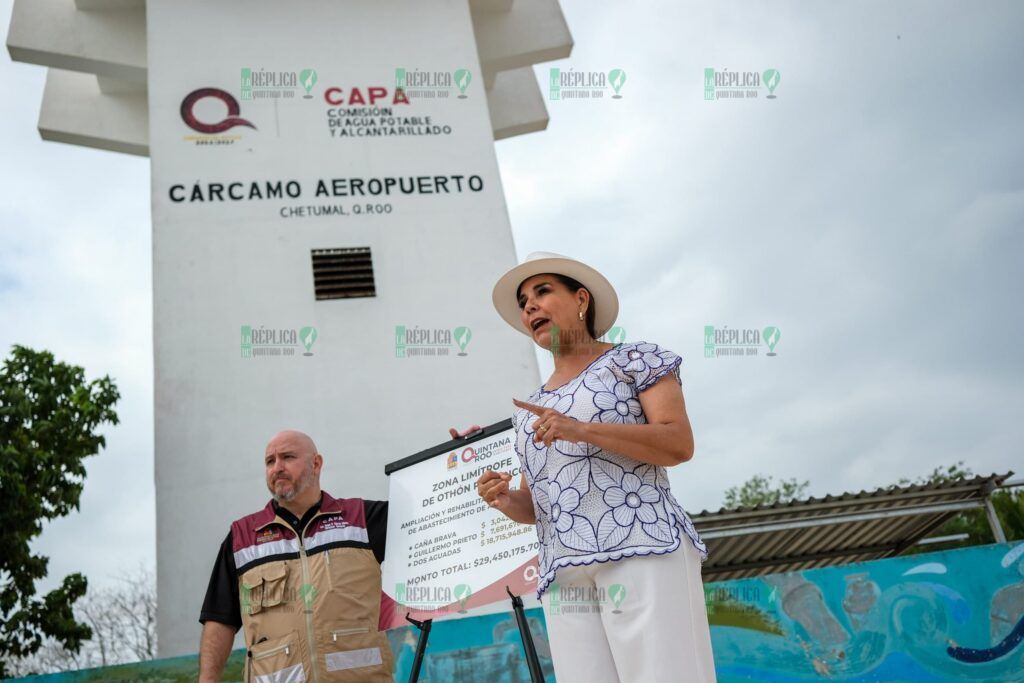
(635, 620)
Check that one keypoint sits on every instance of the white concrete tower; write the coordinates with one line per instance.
(294, 191)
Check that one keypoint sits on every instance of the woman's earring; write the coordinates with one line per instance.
(581, 315)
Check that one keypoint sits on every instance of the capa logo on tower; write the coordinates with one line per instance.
(373, 112)
(210, 128)
(354, 96)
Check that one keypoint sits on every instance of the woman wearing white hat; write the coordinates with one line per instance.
(594, 443)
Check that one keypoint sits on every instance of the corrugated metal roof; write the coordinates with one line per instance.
(821, 532)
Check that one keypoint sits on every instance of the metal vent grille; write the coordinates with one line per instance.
(343, 273)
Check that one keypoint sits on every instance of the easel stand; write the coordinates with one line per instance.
(421, 645)
(536, 675)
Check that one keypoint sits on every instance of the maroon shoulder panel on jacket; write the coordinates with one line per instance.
(351, 509)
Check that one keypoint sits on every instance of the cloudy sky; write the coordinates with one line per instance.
(873, 212)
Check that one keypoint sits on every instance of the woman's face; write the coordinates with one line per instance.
(544, 304)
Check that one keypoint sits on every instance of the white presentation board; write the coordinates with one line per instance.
(447, 550)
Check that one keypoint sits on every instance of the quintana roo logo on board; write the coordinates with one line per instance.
(468, 455)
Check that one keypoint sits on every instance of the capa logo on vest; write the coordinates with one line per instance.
(336, 522)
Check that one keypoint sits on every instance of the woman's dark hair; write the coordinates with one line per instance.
(575, 286)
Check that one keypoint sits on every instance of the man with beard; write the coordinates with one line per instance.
(303, 577)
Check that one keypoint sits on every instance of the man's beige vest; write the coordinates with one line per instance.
(311, 607)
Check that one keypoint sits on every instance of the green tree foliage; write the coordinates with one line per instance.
(48, 420)
(762, 490)
(940, 475)
(1009, 506)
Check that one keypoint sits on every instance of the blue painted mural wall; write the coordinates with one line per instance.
(935, 618)
(948, 616)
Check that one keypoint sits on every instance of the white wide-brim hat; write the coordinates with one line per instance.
(605, 300)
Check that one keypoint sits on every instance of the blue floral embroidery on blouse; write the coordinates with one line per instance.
(594, 505)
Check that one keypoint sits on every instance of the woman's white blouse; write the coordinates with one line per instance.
(594, 505)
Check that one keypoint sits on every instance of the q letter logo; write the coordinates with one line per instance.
(227, 124)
